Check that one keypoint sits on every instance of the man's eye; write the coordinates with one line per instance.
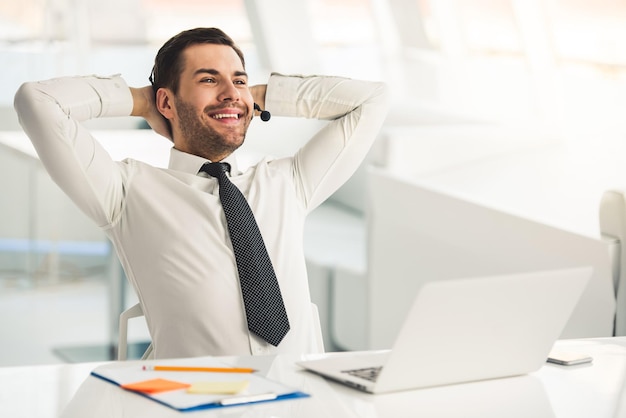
(207, 80)
(241, 82)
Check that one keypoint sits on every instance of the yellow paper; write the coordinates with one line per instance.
(221, 388)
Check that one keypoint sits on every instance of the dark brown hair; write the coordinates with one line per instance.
(168, 64)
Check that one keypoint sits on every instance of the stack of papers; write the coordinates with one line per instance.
(194, 384)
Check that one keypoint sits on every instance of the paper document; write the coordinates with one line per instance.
(194, 390)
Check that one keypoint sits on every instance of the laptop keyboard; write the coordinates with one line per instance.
(368, 373)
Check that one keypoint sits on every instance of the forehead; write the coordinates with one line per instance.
(222, 58)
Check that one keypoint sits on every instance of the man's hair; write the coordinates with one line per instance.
(168, 64)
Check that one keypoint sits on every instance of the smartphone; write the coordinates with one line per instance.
(568, 359)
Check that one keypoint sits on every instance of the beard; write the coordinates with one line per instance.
(202, 139)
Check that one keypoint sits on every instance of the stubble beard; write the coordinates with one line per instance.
(202, 139)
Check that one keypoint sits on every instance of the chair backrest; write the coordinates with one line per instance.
(612, 214)
(122, 347)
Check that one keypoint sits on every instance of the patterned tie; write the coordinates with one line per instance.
(265, 311)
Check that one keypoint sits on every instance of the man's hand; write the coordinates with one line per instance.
(145, 107)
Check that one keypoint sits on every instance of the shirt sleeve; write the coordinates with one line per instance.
(356, 110)
(50, 113)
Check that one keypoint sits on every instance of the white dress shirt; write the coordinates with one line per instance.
(168, 226)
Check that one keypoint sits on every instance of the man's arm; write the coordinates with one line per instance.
(51, 113)
(356, 110)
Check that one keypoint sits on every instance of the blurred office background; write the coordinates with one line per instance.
(516, 105)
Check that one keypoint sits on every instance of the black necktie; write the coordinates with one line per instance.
(265, 310)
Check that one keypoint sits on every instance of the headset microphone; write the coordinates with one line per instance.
(265, 115)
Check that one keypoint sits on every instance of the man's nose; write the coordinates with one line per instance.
(229, 92)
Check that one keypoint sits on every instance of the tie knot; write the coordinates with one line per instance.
(215, 169)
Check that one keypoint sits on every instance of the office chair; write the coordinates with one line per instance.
(613, 228)
(122, 347)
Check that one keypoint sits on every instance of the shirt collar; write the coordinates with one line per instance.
(189, 163)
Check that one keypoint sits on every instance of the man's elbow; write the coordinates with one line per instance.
(382, 93)
(378, 101)
(25, 100)
(32, 104)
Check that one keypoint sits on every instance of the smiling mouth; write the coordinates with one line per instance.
(225, 116)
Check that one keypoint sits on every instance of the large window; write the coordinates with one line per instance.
(42, 39)
(562, 61)
(501, 59)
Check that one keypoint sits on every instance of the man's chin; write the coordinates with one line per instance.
(228, 147)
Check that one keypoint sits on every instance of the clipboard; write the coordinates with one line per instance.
(258, 389)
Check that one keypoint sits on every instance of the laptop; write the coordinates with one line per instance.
(464, 330)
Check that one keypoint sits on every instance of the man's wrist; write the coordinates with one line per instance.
(258, 94)
(141, 101)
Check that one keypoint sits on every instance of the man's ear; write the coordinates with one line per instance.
(164, 103)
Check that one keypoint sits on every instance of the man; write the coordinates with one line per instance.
(167, 225)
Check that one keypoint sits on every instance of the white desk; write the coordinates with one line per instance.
(554, 391)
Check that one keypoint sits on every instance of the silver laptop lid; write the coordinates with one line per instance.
(480, 328)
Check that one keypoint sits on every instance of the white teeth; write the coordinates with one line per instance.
(226, 115)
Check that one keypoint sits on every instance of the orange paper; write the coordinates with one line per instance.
(155, 386)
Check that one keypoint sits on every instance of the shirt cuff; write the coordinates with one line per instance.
(114, 93)
(282, 94)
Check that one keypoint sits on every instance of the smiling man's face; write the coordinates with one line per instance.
(212, 109)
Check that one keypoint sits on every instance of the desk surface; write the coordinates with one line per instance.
(558, 184)
(554, 391)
